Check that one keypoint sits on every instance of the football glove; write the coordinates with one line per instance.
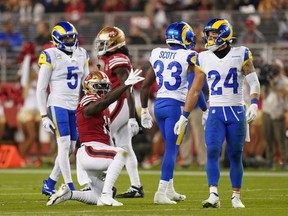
(48, 125)
(251, 112)
(180, 124)
(134, 77)
(146, 119)
(133, 126)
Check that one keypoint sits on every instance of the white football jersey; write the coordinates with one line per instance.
(225, 76)
(170, 67)
(67, 76)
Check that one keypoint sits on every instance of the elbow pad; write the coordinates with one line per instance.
(253, 82)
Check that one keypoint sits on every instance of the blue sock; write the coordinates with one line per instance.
(51, 183)
(71, 186)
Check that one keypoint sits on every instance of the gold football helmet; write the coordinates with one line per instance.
(97, 82)
(109, 39)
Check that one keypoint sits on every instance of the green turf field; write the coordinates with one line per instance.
(264, 193)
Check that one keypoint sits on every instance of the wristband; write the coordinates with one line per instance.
(254, 101)
(43, 116)
(185, 114)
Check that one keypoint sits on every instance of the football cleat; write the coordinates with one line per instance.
(48, 191)
(63, 194)
(161, 198)
(107, 200)
(175, 196)
(236, 202)
(132, 192)
(88, 188)
(212, 202)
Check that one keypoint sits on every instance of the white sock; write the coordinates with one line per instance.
(170, 187)
(162, 187)
(88, 197)
(114, 170)
(236, 194)
(213, 189)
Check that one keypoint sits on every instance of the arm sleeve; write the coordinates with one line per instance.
(42, 85)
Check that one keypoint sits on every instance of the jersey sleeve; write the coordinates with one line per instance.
(191, 58)
(119, 61)
(45, 58)
(247, 56)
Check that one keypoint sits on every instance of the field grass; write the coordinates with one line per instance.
(264, 193)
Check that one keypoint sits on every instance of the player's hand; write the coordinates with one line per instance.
(251, 112)
(204, 117)
(133, 126)
(48, 125)
(146, 119)
(134, 77)
(181, 123)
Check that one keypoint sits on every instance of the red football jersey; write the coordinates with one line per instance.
(112, 62)
(95, 128)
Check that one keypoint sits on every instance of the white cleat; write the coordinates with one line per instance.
(107, 200)
(64, 193)
(236, 203)
(212, 202)
(161, 198)
(175, 196)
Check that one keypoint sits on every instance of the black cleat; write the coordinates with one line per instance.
(132, 192)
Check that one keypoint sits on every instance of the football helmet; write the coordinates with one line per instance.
(97, 82)
(109, 39)
(65, 36)
(224, 30)
(180, 33)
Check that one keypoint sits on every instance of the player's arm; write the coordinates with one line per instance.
(253, 81)
(42, 85)
(195, 90)
(122, 74)
(96, 107)
(148, 81)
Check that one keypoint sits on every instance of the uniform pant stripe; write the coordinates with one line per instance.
(100, 153)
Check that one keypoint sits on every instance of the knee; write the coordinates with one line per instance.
(122, 152)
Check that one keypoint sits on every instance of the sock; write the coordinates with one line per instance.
(71, 186)
(51, 183)
(170, 187)
(236, 194)
(214, 190)
(162, 187)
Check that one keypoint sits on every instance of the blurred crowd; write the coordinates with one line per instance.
(18, 111)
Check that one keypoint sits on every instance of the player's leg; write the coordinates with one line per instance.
(60, 117)
(122, 138)
(235, 138)
(214, 135)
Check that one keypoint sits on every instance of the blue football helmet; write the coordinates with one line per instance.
(224, 30)
(180, 33)
(65, 36)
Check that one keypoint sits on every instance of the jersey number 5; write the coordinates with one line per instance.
(72, 78)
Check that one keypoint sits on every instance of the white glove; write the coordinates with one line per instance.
(146, 119)
(251, 112)
(48, 125)
(181, 123)
(133, 126)
(134, 77)
(204, 117)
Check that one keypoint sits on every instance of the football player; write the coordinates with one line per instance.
(169, 67)
(96, 153)
(225, 69)
(113, 58)
(63, 69)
